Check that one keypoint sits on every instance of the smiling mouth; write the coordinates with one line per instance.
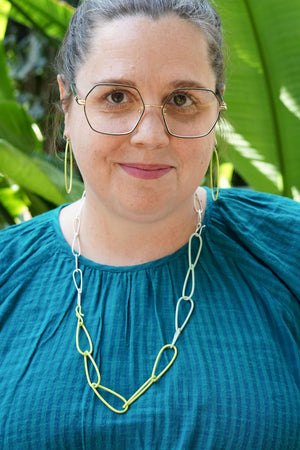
(146, 171)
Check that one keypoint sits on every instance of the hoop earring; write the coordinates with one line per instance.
(68, 149)
(211, 174)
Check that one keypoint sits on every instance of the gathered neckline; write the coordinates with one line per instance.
(66, 248)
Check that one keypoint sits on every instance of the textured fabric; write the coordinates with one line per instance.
(236, 381)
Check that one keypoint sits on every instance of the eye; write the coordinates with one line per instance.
(181, 99)
(117, 97)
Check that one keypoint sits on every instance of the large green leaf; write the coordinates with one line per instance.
(4, 12)
(263, 91)
(6, 90)
(50, 17)
(13, 201)
(35, 174)
(16, 127)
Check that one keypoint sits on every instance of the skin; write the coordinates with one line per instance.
(128, 219)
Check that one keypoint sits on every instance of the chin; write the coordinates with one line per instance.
(145, 205)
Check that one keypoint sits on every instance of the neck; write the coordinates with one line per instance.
(120, 242)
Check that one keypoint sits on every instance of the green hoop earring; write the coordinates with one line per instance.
(215, 197)
(68, 149)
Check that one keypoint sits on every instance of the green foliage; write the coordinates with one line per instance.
(263, 92)
(31, 181)
(16, 127)
(49, 17)
(6, 90)
(263, 95)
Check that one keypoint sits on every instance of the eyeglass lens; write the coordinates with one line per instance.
(115, 109)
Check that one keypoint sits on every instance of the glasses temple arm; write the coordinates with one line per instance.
(223, 105)
(74, 92)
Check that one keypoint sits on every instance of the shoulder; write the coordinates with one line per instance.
(259, 214)
(28, 243)
(260, 226)
(258, 205)
(16, 237)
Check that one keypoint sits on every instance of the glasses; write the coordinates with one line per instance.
(117, 109)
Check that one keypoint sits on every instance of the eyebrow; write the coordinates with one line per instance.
(187, 83)
(116, 81)
(175, 84)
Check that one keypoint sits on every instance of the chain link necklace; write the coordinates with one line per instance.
(185, 297)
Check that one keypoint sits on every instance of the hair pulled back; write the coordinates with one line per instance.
(92, 13)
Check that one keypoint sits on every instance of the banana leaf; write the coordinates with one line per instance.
(36, 175)
(263, 92)
(49, 17)
(17, 127)
(6, 89)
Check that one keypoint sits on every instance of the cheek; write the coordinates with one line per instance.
(196, 157)
(89, 154)
(198, 153)
(95, 153)
(84, 146)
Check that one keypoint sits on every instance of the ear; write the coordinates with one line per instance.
(64, 94)
(61, 85)
(223, 89)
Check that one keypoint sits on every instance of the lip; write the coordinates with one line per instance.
(146, 171)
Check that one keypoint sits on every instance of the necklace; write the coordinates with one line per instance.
(87, 354)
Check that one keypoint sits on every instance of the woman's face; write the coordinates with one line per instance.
(147, 174)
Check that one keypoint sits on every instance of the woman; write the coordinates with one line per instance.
(141, 85)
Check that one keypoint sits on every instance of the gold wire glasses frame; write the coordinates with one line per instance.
(117, 109)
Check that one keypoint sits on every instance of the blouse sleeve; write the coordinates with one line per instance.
(267, 226)
(24, 249)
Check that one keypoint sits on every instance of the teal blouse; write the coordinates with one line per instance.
(236, 381)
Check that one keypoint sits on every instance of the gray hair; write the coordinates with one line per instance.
(91, 13)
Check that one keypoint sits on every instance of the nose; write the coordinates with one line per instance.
(151, 130)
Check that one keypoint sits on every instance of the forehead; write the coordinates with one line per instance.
(148, 51)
